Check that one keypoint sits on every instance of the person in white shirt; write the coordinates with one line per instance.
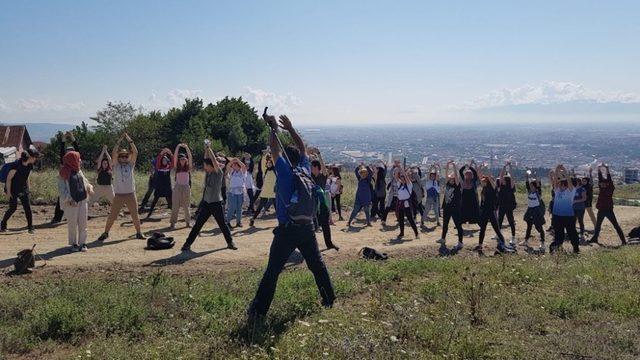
(236, 175)
(404, 206)
(432, 193)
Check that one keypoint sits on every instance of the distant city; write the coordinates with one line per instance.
(526, 145)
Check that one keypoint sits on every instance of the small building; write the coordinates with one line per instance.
(631, 175)
(13, 140)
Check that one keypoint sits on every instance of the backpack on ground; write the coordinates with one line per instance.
(634, 233)
(24, 261)
(302, 206)
(158, 241)
(4, 171)
(373, 254)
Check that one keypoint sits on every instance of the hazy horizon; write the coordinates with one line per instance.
(408, 62)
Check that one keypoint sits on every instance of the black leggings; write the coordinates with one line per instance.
(538, 228)
(510, 219)
(377, 207)
(489, 217)
(155, 201)
(335, 204)
(609, 214)
(455, 215)
(252, 199)
(263, 203)
(13, 205)
(560, 225)
(323, 220)
(386, 210)
(406, 212)
(205, 211)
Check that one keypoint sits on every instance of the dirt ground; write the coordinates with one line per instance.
(122, 251)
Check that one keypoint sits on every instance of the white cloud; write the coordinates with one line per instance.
(549, 93)
(277, 103)
(44, 104)
(173, 98)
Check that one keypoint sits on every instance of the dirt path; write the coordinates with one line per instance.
(210, 254)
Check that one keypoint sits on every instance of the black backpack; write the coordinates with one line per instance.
(635, 233)
(158, 241)
(24, 261)
(373, 254)
(302, 205)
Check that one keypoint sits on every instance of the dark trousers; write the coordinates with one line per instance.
(457, 221)
(580, 219)
(609, 214)
(386, 210)
(560, 225)
(13, 205)
(335, 205)
(58, 213)
(155, 201)
(287, 238)
(489, 217)
(323, 220)
(510, 219)
(252, 199)
(406, 212)
(205, 211)
(148, 194)
(538, 228)
(377, 208)
(263, 203)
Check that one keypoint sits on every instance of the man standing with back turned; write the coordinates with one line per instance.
(289, 234)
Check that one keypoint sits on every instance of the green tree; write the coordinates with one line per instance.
(177, 120)
(114, 117)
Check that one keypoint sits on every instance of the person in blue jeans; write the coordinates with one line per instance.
(289, 235)
(364, 174)
(236, 173)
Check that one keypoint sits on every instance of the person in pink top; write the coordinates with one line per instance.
(181, 195)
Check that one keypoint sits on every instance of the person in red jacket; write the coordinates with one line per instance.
(605, 205)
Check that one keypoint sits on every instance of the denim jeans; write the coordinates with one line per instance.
(234, 207)
(287, 238)
(356, 209)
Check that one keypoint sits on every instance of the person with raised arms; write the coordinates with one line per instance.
(104, 186)
(507, 199)
(564, 219)
(181, 193)
(534, 216)
(267, 195)
(605, 205)
(295, 225)
(451, 204)
(162, 180)
(124, 185)
(211, 204)
(404, 205)
(488, 198)
(432, 193)
(470, 207)
(362, 200)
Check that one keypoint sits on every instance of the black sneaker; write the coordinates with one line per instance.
(231, 245)
(251, 222)
(31, 231)
(186, 249)
(139, 236)
(104, 236)
(239, 225)
(74, 248)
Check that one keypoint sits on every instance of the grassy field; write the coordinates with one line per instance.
(44, 188)
(549, 307)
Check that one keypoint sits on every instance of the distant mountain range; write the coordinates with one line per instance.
(45, 131)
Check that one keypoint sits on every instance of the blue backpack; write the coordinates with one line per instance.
(4, 171)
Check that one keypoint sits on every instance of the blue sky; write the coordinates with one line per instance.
(328, 62)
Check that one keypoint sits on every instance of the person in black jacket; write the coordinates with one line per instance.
(62, 139)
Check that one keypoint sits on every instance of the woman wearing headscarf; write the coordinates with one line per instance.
(74, 189)
(162, 180)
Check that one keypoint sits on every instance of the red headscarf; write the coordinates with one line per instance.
(169, 155)
(70, 164)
